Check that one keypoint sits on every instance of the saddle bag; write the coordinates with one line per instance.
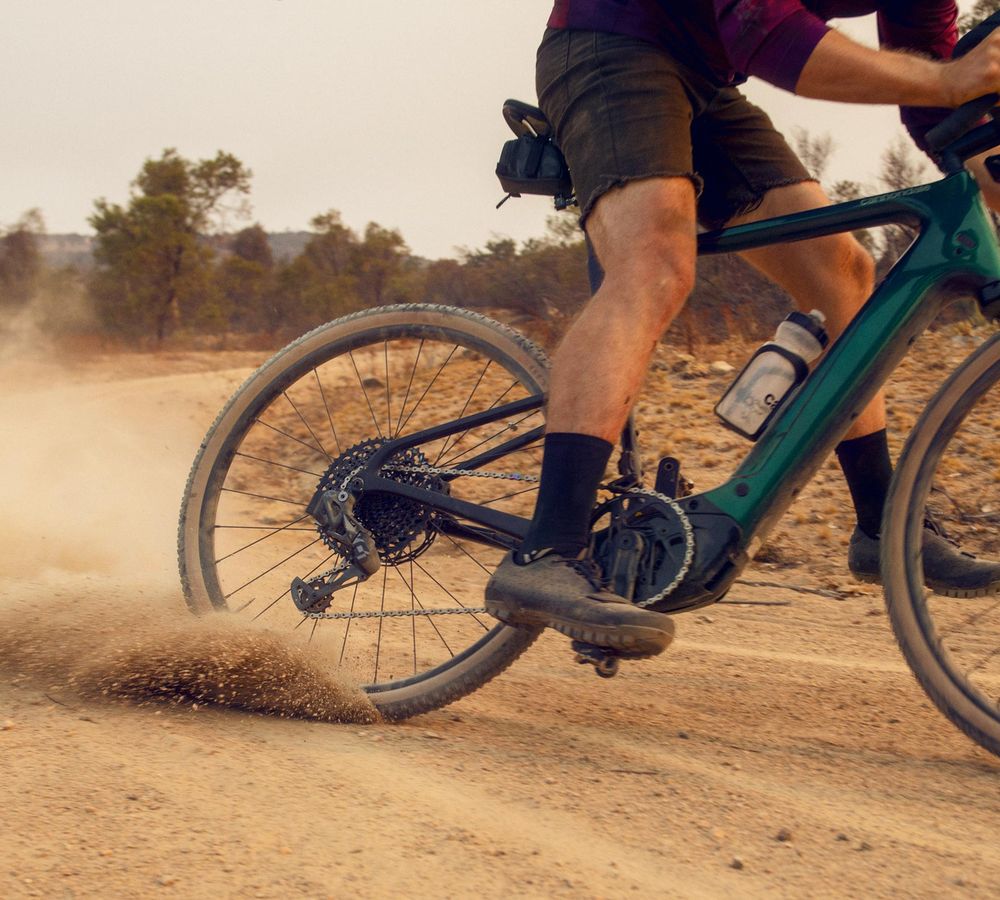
(533, 165)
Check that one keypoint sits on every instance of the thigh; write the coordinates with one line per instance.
(621, 110)
(825, 272)
(741, 158)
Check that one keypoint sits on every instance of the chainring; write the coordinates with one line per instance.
(642, 548)
(401, 527)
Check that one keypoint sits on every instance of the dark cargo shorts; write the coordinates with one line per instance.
(624, 109)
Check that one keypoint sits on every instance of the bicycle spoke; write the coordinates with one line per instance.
(526, 490)
(508, 426)
(263, 497)
(260, 527)
(409, 384)
(388, 404)
(347, 630)
(298, 412)
(259, 540)
(466, 552)
(364, 391)
(285, 592)
(267, 572)
(413, 620)
(326, 406)
(292, 437)
(972, 620)
(378, 640)
(448, 442)
(426, 389)
(279, 465)
(462, 436)
(450, 594)
(993, 654)
(430, 619)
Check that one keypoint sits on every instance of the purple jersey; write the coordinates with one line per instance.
(772, 39)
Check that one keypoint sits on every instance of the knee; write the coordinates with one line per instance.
(655, 279)
(856, 270)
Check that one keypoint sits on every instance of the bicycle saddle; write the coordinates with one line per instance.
(523, 118)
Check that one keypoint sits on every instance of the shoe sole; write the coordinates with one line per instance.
(958, 593)
(635, 640)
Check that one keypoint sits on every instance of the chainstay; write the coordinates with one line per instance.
(426, 469)
(674, 507)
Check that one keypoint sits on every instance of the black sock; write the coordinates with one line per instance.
(572, 468)
(868, 470)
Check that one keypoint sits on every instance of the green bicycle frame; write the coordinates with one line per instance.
(955, 252)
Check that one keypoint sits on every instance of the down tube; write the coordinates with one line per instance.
(814, 420)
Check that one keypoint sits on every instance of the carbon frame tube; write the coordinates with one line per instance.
(955, 251)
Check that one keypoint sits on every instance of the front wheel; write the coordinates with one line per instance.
(950, 471)
(414, 633)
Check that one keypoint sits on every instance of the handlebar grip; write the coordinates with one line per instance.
(968, 114)
(959, 122)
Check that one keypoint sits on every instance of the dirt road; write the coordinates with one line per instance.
(775, 750)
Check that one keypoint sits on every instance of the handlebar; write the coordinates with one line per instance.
(959, 122)
(965, 117)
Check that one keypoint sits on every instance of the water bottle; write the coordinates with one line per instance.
(772, 373)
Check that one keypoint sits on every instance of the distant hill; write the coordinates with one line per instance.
(59, 250)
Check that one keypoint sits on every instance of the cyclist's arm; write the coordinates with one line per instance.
(841, 69)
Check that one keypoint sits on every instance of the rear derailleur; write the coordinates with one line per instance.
(333, 512)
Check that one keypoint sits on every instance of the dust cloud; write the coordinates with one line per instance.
(92, 468)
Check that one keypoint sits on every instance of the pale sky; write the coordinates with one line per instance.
(386, 110)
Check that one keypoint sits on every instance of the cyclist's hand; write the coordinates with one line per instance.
(975, 74)
(990, 189)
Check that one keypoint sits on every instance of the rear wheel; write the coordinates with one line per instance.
(414, 633)
(950, 471)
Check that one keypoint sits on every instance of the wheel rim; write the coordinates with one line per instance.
(957, 485)
(371, 385)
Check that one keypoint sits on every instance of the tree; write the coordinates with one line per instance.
(20, 261)
(815, 152)
(980, 10)
(378, 262)
(154, 266)
(246, 281)
(252, 245)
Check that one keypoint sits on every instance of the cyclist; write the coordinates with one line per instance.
(643, 98)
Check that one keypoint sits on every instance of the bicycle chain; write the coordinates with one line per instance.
(688, 545)
(426, 469)
(400, 613)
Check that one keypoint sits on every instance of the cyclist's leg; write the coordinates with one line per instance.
(834, 274)
(644, 235)
(621, 112)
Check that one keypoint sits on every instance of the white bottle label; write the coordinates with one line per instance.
(761, 387)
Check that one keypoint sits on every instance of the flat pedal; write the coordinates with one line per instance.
(604, 660)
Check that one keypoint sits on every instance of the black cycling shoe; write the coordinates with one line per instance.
(566, 594)
(947, 570)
